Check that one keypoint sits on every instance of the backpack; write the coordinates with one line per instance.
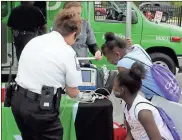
(165, 79)
(169, 122)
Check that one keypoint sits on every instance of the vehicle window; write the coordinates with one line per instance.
(157, 5)
(144, 6)
(110, 11)
(4, 8)
(148, 5)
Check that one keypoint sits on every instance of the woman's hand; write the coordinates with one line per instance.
(98, 55)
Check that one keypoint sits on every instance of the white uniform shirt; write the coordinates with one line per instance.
(137, 130)
(48, 60)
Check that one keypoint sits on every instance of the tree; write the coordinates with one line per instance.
(176, 3)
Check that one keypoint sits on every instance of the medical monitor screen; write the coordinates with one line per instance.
(86, 76)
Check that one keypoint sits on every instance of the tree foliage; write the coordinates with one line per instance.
(176, 3)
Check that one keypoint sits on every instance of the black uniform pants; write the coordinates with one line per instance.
(34, 123)
(20, 41)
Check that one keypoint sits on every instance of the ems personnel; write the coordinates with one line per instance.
(86, 40)
(25, 21)
(47, 65)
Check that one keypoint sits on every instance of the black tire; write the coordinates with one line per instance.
(164, 58)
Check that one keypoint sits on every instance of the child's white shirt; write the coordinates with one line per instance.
(137, 130)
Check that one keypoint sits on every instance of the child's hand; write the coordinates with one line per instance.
(129, 42)
(98, 55)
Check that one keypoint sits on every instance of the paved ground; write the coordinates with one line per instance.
(179, 77)
(118, 106)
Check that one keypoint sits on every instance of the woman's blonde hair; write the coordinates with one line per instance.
(67, 22)
(69, 4)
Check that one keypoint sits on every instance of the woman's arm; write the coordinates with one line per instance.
(72, 91)
(91, 42)
(147, 120)
(93, 48)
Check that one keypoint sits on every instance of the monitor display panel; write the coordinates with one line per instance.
(86, 76)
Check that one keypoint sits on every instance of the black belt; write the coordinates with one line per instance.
(16, 33)
(29, 94)
(26, 33)
(33, 95)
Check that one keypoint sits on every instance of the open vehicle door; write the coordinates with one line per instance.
(128, 16)
(6, 34)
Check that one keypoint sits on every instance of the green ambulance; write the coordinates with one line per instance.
(162, 41)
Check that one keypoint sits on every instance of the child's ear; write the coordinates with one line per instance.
(74, 34)
(121, 90)
(117, 53)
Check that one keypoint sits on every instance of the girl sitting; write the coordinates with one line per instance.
(143, 120)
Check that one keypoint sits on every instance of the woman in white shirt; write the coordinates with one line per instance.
(143, 120)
